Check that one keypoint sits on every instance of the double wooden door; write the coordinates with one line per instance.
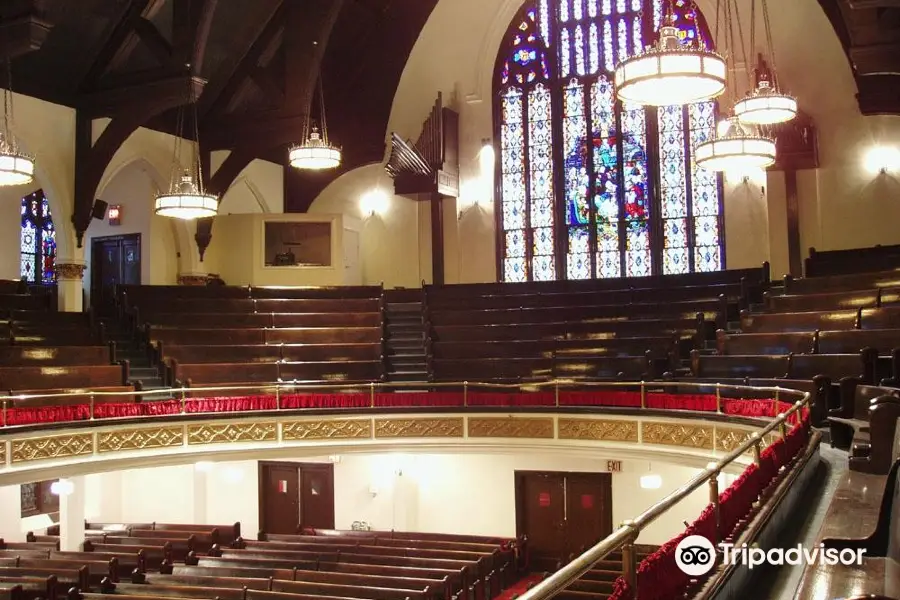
(562, 514)
(115, 260)
(292, 494)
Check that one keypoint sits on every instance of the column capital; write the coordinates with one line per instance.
(70, 270)
(192, 278)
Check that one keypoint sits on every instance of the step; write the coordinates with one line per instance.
(402, 306)
(404, 319)
(143, 372)
(157, 397)
(404, 338)
(412, 363)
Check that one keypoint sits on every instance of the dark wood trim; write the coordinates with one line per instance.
(795, 259)
(437, 239)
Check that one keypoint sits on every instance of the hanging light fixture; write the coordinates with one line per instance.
(186, 198)
(316, 153)
(735, 147)
(670, 72)
(16, 167)
(765, 105)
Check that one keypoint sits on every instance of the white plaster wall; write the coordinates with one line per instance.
(448, 493)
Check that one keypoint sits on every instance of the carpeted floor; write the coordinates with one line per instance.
(519, 587)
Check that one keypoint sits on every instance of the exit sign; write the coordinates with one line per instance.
(614, 466)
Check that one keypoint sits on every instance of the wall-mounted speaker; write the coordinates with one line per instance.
(99, 209)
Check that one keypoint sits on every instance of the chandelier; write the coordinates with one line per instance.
(765, 105)
(16, 167)
(670, 72)
(316, 153)
(736, 149)
(186, 199)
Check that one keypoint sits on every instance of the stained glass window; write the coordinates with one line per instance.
(38, 240)
(600, 189)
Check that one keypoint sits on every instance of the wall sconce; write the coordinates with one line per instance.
(373, 203)
(63, 487)
(486, 158)
(882, 160)
(651, 482)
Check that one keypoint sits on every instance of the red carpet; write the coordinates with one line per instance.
(519, 587)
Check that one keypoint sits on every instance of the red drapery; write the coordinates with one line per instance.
(621, 590)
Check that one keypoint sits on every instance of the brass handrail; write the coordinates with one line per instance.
(627, 533)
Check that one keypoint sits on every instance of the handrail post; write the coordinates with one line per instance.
(183, 402)
(643, 394)
(372, 395)
(783, 425)
(757, 458)
(718, 398)
(465, 393)
(277, 397)
(556, 392)
(714, 500)
(92, 406)
(4, 412)
(629, 558)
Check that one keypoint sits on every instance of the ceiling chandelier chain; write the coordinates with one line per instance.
(765, 104)
(16, 167)
(187, 197)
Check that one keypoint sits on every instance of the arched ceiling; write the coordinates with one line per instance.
(869, 31)
(259, 58)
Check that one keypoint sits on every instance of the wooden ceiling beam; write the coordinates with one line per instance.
(867, 4)
(233, 71)
(172, 90)
(158, 45)
(22, 34)
(192, 22)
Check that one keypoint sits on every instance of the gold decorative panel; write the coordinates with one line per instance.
(675, 434)
(419, 428)
(232, 432)
(139, 439)
(598, 429)
(57, 446)
(327, 430)
(2, 454)
(511, 427)
(728, 439)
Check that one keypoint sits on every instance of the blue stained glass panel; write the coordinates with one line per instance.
(592, 8)
(565, 65)
(563, 10)
(579, 51)
(540, 156)
(594, 49)
(609, 59)
(37, 242)
(636, 201)
(545, 22)
(607, 7)
(577, 9)
(579, 259)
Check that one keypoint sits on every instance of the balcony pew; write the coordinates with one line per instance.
(69, 356)
(35, 302)
(849, 300)
(13, 286)
(89, 376)
(842, 283)
(739, 366)
(238, 337)
(230, 373)
(11, 591)
(271, 353)
(802, 342)
(662, 348)
(492, 369)
(262, 320)
(799, 321)
(885, 342)
(848, 262)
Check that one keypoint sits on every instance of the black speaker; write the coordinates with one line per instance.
(99, 209)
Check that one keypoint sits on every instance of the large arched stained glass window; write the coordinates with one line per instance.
(38, 243)
(590, 187)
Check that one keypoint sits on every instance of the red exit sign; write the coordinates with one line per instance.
(614, 466)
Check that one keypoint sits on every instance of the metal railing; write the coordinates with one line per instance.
(625, 536)
(278, 389)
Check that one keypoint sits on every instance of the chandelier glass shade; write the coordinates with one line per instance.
(766, 105)
(315, 154)
(737, 149)
(670, 73)
(16, 167)
(186, 201)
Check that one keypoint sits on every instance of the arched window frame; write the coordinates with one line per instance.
(683, 208)
(37, 241)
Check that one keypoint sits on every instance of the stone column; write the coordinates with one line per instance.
(71, 514)
(192, 278)
(70, 289)
(11, 509)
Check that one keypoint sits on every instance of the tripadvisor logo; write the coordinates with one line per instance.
(695, 555)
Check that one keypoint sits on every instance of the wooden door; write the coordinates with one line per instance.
(588, 510)
(562, 514)
(540, 512)
(317, 496)
(279, 497)
(115, 260)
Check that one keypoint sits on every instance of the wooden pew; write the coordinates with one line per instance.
(13, 286)
(846, 262)
(70, 356)
(803, 342)
(70, 577)
(97, 570)
(659, 347)
(127, 562)
(90, 376)
(865, 423)
(887, 317)
(273, 353)
(11, 591)
(842, 283)
(34, 302)
(297, 335)
(153, 552)
(349, 591)
(34, 587)
(147, 312)
(219, 534)
(849, 300)
(800, 321)
(739, 367)
(263, 320)
(41, 335)
(229, 373)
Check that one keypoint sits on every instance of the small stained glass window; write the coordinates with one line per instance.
(38, 240)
